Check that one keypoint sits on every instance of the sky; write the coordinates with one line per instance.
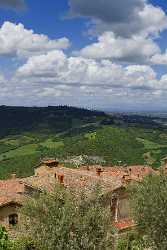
(98, 54)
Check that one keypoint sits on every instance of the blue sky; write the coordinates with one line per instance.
(97, 54)
(50, 18)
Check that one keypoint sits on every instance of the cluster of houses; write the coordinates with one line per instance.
(113, 180)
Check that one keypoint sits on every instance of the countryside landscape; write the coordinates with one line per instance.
(83, 125)
(28, 134)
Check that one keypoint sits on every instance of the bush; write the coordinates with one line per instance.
(132, 241)
(61, 221)
(150, 209)
(4, 240)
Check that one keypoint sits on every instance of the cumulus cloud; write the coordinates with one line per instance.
(134, 49)
(134, 17)
(127, 33)
(55, 78)
(95, 75)
(12, 4)
(59, 69)
(15, 40)
(159, 58)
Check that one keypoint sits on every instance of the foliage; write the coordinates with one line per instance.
(4, 240)
(131, 241)
(67, 221)
(149, 201)
(112, 143)
(23, 166)
(22, 244)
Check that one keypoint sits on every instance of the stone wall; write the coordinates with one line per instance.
(5, 212)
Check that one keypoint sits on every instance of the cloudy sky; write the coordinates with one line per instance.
(103, 54)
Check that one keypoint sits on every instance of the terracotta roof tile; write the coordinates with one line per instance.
(124, 224)
(110, 179)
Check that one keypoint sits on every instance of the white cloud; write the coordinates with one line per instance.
(56, 68)
(134, 49)
(43, 65)
(152, 19)
(95, 76)
(16, 40)
(55, 78)
(159, 58)
(141, 76)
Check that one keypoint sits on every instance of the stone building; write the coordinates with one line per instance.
(113, 181)
(13, 193)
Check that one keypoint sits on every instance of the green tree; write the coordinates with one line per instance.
(60, 221)
(4, 240)
(149, 201)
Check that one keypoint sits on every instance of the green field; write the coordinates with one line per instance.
(150, 145)
(49, 143)
(20, 151)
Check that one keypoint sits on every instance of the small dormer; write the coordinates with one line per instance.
(50, 163)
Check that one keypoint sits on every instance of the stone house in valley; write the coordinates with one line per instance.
(113, 181)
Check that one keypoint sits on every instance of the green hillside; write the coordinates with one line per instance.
(66, 132)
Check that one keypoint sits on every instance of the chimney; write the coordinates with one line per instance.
(126, 178)
(99, 171)
(61, 178)
(13, 176)
(130, 171)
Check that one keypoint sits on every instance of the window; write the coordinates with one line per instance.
(13, 219)
(124, 209)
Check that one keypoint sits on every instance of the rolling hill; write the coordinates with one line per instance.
(29, 133)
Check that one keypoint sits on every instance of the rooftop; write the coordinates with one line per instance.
(124, 224)
(109, 178)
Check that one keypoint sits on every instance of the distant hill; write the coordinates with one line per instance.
(29, 133)
(19, 119)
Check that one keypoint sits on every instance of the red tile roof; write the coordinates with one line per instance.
(124, 224)
(74, 178)
(110, 178)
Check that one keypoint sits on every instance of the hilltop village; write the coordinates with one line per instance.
(113, 181)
